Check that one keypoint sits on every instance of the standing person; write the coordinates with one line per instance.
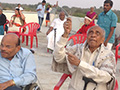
(108, 20)
(57, 25)
(48, 10)
(41, 10)
(91, 14)
(92, 65)
(19, 6)
(2, 21)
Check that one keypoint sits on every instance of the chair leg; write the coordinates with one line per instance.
(26, 40)
(47, 50)
(31, 43)
(22, 39)
(36, 41)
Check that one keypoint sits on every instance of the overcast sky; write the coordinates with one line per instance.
(69, 3)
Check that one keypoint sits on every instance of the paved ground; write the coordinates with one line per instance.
(47, 79)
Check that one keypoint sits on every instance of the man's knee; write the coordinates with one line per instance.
(13, 88)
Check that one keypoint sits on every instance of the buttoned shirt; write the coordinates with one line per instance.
(41, 13)
(90, 57)
(19, 8)
(21, 68)
(106, 21)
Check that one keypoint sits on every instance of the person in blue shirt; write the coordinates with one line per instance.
(41, 11)
(17, 64)
(108, 20)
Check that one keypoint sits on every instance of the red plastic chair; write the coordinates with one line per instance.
(77, 39)
(116, 57)
(31, 31)
(61, 81)
(7, 22)
(116, 52)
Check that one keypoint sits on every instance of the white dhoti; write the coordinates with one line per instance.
(51, 37)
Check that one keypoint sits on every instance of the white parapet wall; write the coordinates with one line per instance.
(77, 22)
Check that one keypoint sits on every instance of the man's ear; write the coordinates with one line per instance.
(18, 48)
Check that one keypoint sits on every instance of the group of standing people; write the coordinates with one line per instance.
(41, 10)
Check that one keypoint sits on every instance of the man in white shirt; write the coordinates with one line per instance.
(56, 30)
(19, 6)
(41, 11)
(91, 64)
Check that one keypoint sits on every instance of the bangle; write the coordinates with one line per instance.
(13, 82)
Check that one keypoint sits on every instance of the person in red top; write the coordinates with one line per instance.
(87, 24)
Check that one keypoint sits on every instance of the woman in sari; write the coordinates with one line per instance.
(16, 22)
(91, 14)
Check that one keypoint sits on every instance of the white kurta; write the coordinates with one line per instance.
(58, 25)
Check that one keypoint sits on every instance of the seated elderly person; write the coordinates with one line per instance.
(87, 24)
(16, 22)
(91, 64)
(2, 21)
(17, 65)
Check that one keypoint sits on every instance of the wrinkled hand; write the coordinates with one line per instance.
(47, 32)
(3, 86)
(105, 43)
(73, 59)
(67, 27)
(6, 85)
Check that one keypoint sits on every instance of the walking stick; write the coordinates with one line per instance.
(54, 36)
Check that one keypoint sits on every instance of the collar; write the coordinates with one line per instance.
(108, 13)
(18, 54)
(87, 48)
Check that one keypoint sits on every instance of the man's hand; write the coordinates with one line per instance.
(73, 59)
(105, 43)
(67, 27)
(6, 84)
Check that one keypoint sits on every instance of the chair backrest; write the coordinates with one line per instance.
(78, 38)
(36, 27)
(116, 52)
(7, 22)
(31, 28)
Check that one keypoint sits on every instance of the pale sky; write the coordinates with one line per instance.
(69, 3)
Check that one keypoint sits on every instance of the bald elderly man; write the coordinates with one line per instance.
(56, 30)
(91, 64)
(17, 64)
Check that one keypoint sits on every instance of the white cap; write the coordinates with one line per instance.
(88, 18)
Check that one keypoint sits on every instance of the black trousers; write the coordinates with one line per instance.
(13, 88)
